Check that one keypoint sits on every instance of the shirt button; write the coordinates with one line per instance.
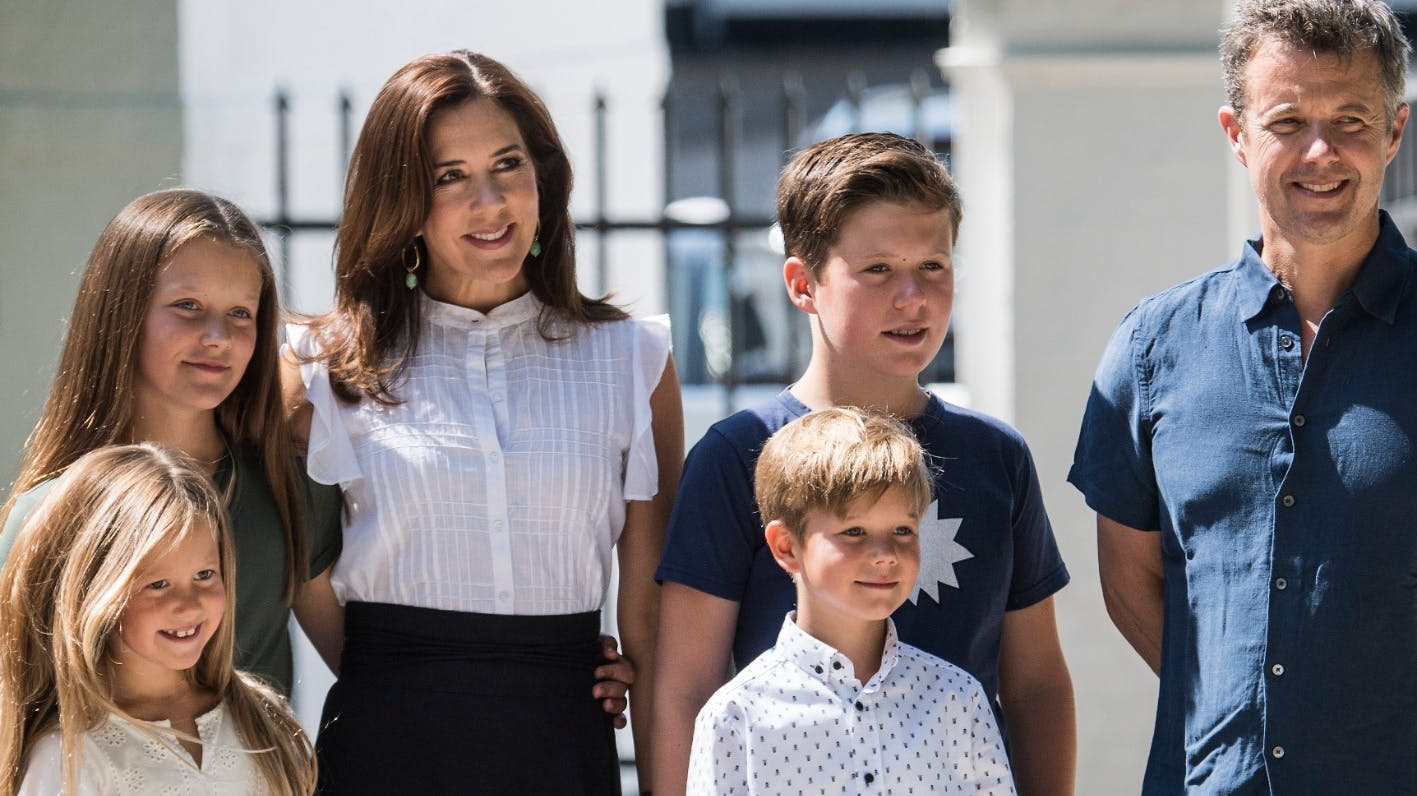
(818, 668)
(869, 778)
(1281, 584)
(1286, 342)
(496, 397)
(1299, 421)
(860, 706)
(494, 456)
(1277, 670)
(504, 596)
(1287, 501)
(1277, 294)
(836, 664)
(497, 524)
(1277, 752)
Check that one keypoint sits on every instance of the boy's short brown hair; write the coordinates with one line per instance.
(828, 180)
(827, 459)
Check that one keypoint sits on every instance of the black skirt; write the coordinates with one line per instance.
(433, 701)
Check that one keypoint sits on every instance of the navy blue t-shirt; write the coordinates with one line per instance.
(1285, 493)
(986, 546)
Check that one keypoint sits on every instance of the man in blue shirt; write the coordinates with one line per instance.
(1249, 442)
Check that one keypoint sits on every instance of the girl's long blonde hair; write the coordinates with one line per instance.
(91, 401)
(65, 588)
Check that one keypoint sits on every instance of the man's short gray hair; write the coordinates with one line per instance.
(1345, 28)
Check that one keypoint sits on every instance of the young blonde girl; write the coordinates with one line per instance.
(127, 535)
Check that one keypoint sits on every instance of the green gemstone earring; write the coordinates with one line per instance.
(536, 246)
(411, 278)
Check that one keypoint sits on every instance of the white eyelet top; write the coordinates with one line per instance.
(120, 757)
(499, 484)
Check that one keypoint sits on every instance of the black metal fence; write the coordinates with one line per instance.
(724, 333)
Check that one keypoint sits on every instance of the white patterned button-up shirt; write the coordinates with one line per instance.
(797, 720)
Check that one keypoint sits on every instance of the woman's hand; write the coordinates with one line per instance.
(613, 679)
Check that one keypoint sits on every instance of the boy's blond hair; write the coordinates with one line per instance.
(830, 458)
(829, 179)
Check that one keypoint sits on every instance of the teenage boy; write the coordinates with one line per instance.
(869, 223)
(838, 705)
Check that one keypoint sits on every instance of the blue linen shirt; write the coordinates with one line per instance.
(1286, 496)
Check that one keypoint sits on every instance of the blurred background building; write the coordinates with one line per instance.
(1082, 132)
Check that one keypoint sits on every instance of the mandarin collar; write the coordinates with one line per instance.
(824, 662)
(520, 309)
(1379, 287)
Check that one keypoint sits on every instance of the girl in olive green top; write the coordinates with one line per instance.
(173, 340)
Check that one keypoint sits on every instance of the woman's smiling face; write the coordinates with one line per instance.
(483, 214)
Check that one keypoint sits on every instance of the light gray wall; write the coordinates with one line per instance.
(89, 119)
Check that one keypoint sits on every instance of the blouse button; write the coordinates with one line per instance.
(869, 778)
(836, 664)
(818, 668)
(494, 456)
(1277, 751)
(860, 706)
(1287, 501)
(1281, 584)
(1286, 342)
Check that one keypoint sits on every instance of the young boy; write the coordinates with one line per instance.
(838, 705)
(869, 223)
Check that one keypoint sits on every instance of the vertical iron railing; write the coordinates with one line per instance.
(602, 171)
(282, 220)
(727, 161)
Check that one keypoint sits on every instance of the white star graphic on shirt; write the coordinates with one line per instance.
(939, 552)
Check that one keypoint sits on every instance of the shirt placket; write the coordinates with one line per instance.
(865, 733)
(485, 380)
(1287, 560)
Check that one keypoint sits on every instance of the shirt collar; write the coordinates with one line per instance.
(520, 309)
(1385, 274)
(822, 661)
(1381, 282)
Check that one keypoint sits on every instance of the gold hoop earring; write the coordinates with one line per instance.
(411, 278)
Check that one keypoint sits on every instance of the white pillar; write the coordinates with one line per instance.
(1094, 173)
(89, 118)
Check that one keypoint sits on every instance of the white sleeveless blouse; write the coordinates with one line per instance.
(499, 484)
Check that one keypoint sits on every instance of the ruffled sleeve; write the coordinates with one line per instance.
(330, 455)
(652, 344)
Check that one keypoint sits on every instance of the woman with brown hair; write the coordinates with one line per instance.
(174, 339)
(496, 434)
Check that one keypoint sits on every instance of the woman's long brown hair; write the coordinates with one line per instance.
(373, 329)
